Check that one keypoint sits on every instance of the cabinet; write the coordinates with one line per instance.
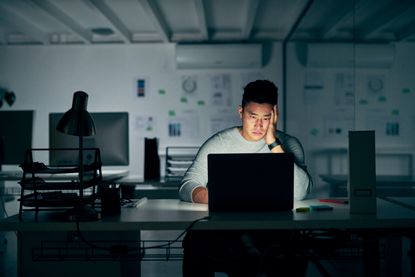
(178, 160)
(57, 187)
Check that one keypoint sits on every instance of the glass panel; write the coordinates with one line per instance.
(348, 69)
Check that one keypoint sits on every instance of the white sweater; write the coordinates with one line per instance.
(231, 141)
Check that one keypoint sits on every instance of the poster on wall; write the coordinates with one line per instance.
(344, 89)
(145, 124)
(184, 125)
(385, 125)
(221, 93)
(313, 86)
(338, 123)
(141, 87)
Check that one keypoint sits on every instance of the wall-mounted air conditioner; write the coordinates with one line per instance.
(349, 55)
(206, 56)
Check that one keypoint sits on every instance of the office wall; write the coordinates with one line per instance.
(45, 77)
(325, 102)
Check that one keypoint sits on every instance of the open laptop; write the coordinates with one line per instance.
(250, 182)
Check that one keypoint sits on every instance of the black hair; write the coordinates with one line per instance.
(260, 91)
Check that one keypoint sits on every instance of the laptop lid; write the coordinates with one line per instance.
(250, 182)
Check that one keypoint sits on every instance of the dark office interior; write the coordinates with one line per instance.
(162, 76)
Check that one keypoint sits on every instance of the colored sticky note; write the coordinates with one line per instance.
(314, 131)
(302, 209)
(321, 207)
(382, 99)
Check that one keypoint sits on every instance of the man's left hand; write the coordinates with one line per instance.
(270, 136)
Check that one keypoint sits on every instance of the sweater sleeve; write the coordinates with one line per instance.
(196, 175)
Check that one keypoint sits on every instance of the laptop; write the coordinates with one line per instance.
(250, 182)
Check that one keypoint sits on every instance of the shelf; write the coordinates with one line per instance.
(178, 160)
(50, 199)
(29, 184)
(42, 189)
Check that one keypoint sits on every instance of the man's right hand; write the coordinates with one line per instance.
(200, 195)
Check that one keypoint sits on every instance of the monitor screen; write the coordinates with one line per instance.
(16, 130)
(111, 138)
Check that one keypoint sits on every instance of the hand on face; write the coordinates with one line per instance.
(270, 136)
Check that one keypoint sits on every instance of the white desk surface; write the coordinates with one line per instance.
(172, 214)
(407, 202)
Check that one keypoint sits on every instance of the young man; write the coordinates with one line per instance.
(258, 134)
(239, 253)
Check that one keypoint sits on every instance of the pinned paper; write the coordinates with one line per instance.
(141, 88)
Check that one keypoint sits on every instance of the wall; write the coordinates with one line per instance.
(45, 77)
(325, 102)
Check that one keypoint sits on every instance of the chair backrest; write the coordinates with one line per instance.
(293, 145)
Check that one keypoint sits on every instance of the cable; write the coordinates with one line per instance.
(180, 235)
(124, 249)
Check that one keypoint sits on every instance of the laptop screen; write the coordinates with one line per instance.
(250, 182)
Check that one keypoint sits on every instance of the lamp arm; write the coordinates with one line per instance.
(81, 168)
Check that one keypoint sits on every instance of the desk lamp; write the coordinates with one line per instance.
(78, 122)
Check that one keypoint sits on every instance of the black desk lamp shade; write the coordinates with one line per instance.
(78, 122)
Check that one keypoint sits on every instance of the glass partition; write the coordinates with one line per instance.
(354, 73)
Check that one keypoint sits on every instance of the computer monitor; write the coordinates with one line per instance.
(16, 131)
(111, 138)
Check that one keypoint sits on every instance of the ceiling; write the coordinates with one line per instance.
(64, 22)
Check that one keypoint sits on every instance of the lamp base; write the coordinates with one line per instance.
(83, 213)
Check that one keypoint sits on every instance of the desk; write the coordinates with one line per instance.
(407, 202)
(386, 185)
(169, 214)
(137, 187)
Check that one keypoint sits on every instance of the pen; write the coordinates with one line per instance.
(336, 201)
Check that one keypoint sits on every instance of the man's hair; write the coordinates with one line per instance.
(260, 91)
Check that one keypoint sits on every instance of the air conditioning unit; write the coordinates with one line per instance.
(349, 55)
(191, 56)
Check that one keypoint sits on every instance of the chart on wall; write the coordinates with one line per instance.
(339, 100)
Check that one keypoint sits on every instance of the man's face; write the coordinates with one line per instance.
(255, 120)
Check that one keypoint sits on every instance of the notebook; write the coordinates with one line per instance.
(250, 182)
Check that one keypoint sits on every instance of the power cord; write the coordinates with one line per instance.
(122, 249)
